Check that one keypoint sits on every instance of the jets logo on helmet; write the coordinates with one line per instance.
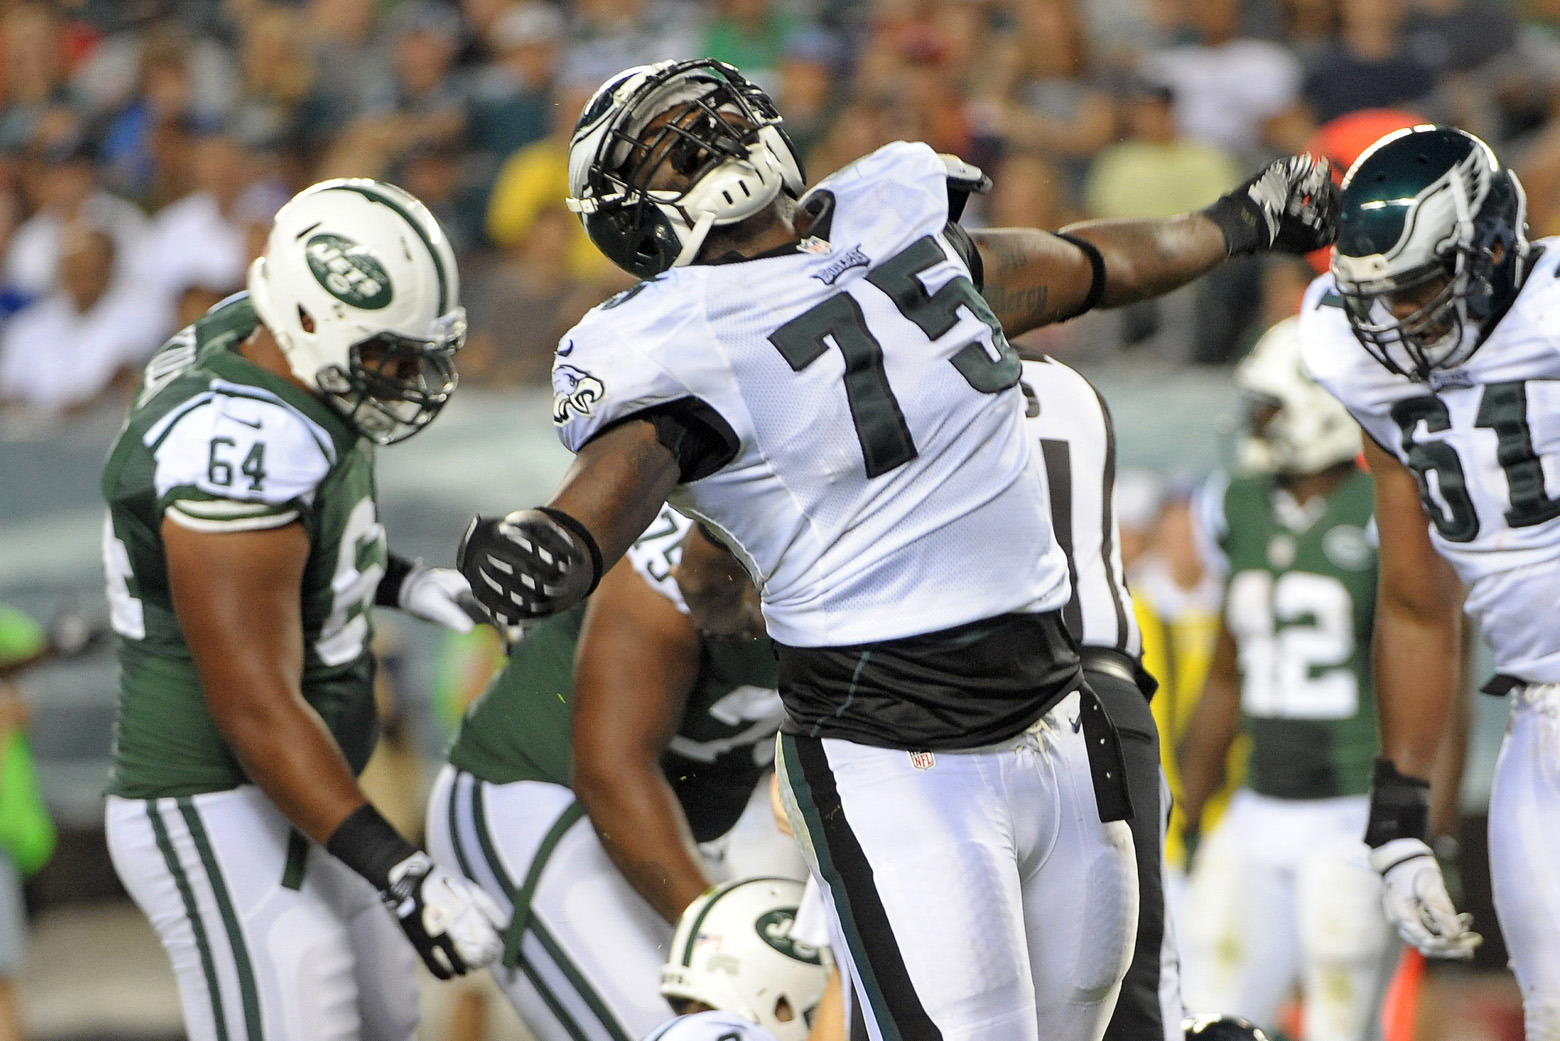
(359, 287)
(1432, 247)
(349, 271)
(732, 951)
(663, 153)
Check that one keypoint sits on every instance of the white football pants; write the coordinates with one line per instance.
(972, 896)
(583, 963)
(1525, 853)
(260, 951)
(1282, 893)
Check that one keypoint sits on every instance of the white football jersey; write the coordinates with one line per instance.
(1483, 440)
(1072, 430)
(882, 485)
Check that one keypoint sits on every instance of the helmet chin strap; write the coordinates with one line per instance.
(695, 240)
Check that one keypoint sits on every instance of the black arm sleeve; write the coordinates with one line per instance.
(964, 246)
(698, 437)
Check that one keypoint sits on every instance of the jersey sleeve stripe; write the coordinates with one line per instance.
(218, 525)
(158, 431)
(238, 390)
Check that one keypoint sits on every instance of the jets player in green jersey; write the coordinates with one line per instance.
(609, 775)
(1282, 892)
(244, 555)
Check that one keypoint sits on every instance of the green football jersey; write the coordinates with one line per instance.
(1300, 603)
(218, 444)
(519, 730)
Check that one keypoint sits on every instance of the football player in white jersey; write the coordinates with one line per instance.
(1458, 388)
(819, 379)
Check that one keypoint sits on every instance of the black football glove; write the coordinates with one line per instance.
(454, 925)
(529, 564)
(1291, 206)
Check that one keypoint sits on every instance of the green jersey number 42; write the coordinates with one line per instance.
(1296, 640)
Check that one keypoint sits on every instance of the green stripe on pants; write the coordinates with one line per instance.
(246, 971)
(192, 912)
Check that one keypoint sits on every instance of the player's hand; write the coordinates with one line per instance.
(453, 924)
(72, 635)
(1416, 901)
(440, 595)
(525, 566)
(1290, 206)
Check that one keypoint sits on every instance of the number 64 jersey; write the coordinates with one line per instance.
(218, 444)
(1483, 442)
(875, 471)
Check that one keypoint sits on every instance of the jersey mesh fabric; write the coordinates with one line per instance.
(1479, 435)
(165, 741)
(954, 531)
(1318, 580)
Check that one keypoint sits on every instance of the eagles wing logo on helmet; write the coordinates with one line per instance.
(576, 390)
(349, 272)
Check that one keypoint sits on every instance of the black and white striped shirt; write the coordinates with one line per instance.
(1072, 427)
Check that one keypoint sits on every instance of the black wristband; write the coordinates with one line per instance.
(369, 845)
(580, 532)
(1241, 222)
(1097, 277)
(1399, 806)
(396, 569)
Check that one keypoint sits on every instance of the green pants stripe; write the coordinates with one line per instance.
(191, 911)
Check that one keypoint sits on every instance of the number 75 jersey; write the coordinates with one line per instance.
(1483, 442)
(876, 474)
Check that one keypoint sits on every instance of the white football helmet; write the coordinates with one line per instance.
(725, 142)
(1296, 427)
(359, 286)
(733, 952)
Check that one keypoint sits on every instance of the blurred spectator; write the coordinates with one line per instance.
(607, 36)
(1227, 87)
(511, 100)
(432, 172)
(68, 350)
(348, 57)
(751, 35)
(1459, 36)
(281, 107)
(32, 42)
(807, 85)
(520, 308)
(1028, 192)
(62, 183)
(537, 178)
(1156, 172)
(419, 100)
(1368, 66)
(1045, 99)
(167, 94)
(201, 240)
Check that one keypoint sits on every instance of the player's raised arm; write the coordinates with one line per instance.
(638, 658)
(1034, 278)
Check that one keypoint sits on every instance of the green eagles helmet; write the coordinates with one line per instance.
(724, 142)
(1432, 247)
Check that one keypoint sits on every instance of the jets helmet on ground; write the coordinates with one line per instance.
(723, 141)
(358, 284)
(733, 951)
(1433, 222)
(1296, 427)
(1221, 1028)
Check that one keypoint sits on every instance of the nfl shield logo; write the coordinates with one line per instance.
(923, 760)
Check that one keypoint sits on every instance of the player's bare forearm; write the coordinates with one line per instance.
(637, 660)
(1418, 635)
(616, 485)
(1211, 731)
(237, 601)
(1033, 278)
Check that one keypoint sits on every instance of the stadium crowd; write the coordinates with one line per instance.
(145, 146)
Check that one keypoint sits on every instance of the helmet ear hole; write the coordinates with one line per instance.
(305, 319)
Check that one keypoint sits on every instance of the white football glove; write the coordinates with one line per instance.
(454, 925)
(440, 595)
(1415, 899)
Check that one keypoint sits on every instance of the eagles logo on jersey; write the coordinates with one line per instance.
(574, 390)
